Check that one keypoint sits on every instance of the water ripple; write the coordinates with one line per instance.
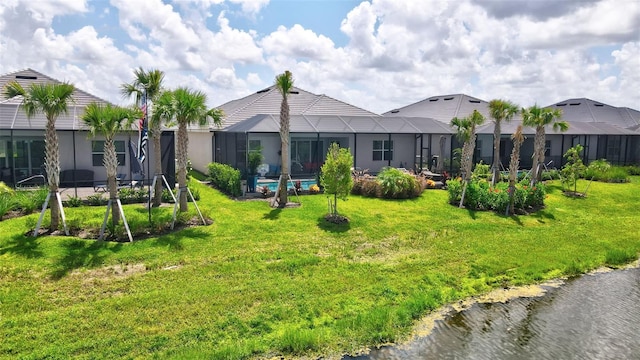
(592, 317)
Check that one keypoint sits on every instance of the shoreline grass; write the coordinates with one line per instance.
(263, 282)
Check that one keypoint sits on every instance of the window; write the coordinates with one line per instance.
(382, 150)
(547, 147)
(97, 152)
(254, 145)
(613, 147)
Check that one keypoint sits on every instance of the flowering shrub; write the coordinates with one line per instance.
(314, 189)
(480, 196)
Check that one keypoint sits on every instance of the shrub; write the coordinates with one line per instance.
(550, 174)
(480, 196)
(7, 203)
(454, 188)
(73, 201)
(601, 170)
(632, 170)
(225, 178)
(96, 200)
(396, 184)
(30, 200)
(371, 188)
(481, 171)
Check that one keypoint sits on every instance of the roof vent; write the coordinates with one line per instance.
(26, 77)
(294, 92)
(395, 111)
(598, 105)
(433, 99)
(263, 91)
(574, 104)
(448, 98)
(475, 101)
(563, 104)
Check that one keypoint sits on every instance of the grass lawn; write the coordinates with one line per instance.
(264, 282)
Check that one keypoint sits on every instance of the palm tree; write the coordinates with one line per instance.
(51, 100)
(466, 132)
(518, 139)
(284, 83)
(500, 110)
(539, 118)
(108, 120)
(149, 82)
(186, 107)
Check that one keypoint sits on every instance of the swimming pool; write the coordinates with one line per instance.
(273, 184)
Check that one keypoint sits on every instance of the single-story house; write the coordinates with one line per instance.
(22, 141)
(316, 121)
(416, 136)
(605, 131)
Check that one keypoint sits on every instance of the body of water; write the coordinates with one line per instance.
(595, 316)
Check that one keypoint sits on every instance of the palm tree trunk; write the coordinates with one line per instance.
(541, 146)
(496, 153)
(52, 168)
(284, 139)
(182, 148)
(536, 154)
(157, 159)
(111, 165)
(513, 172)
(467, 163)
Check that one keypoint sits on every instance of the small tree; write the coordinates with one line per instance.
(574, 168)
(336, 176)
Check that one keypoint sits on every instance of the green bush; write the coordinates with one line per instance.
(601, 170)
(96, 200)
(73, 201)
(396, 184)
(481, 171)
(225, 178)
(550, 174)
(29, 201)
(632, 170)
(7, 203)
(480, 196)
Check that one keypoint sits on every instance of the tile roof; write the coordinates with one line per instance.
(8, 107)
(301, 102)
(443, 108)
(583, 110)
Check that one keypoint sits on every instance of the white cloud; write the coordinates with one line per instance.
(251, 7)
(298, 42)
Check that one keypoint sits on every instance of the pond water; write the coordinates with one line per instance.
(595, 316)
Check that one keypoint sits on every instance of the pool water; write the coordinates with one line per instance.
(273, 184)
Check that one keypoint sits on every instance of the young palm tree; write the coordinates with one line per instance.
(500, 110)
(284, 83)
(51, 100)
(518, 139)
(108, 120)
(539, 118)
(186, 107)
(149, 82)
(466, 132)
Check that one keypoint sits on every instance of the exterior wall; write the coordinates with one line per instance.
(403, 151)
(200, 145)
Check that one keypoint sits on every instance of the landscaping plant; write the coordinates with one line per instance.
(573, 169)
(335, 176)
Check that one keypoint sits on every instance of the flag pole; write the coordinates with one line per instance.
(146, 124)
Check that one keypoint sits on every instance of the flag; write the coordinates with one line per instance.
(143, 136)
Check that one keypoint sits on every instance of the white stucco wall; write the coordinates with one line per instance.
(200, 147)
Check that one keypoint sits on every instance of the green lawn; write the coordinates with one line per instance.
(261, 282)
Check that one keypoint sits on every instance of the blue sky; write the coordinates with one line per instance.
(377, 54)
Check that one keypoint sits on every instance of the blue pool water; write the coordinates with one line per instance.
(273, 184)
